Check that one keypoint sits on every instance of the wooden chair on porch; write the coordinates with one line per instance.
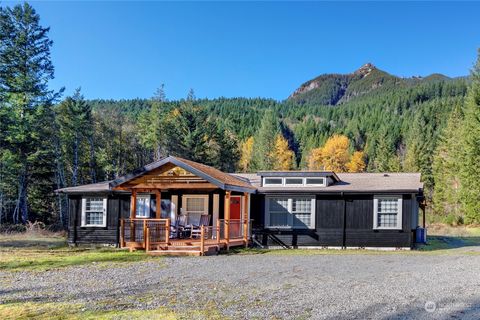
(196, 230)
(179, 227)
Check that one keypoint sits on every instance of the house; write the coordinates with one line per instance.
(177, 206)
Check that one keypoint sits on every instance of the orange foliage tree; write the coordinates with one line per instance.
(335, 156)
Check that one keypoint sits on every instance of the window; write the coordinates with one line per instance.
(94, 212)
(143, 206)
(387, 212)
(293, 181)
(273, 181)
(290, 212)
(194, 206)
(278, 210)
(315, 181)
(302, 212)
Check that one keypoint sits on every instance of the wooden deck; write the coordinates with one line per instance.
(153, 236)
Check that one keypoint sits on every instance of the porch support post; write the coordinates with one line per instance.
(158, 198)
(246, 198)
(133, 210)
(226, 216)
(133, 204)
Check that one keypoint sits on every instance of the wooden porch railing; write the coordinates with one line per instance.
(145, 233)
(134, 232)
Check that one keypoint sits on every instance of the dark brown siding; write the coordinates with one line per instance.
(340, 221)
(116, 206)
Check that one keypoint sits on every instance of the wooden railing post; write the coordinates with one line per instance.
(202, 240)
(217, 231)
(226, 215)
(167, 231)
(122, 233)
(147, 240)
(132, 230)
(144, 233)
(245, 232)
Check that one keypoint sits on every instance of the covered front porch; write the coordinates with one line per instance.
(180, 207)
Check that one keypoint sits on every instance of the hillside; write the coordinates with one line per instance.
(335, 89)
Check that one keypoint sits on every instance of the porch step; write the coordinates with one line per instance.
(173, 253)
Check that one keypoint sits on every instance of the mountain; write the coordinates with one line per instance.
(335, 89)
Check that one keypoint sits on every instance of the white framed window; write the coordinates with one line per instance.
(272, 181)
(387, 212)
(297, 212)
(294, 181)
(194, 206)
(94, 212)
(143, 206)
(314, 181)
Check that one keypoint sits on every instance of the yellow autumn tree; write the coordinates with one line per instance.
(356, 164)
(335, 156)
(246, 151)
(282, 155)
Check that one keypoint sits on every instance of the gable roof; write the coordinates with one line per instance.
(220, 179)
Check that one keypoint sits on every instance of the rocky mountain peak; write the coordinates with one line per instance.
(365, 70)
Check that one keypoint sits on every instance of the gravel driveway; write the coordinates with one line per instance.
(284, 286)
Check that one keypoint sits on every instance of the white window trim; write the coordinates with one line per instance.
(399, 214)
(186, 196)
(289, 208)
(303, 184)
(84, 213)
(143, 196)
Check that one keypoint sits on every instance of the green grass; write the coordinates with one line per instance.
(64, 310)
(57, 311)
(34, 252)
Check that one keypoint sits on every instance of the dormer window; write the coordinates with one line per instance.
(294, 182)
(315, 182)
(273, 181)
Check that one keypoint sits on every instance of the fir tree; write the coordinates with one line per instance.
(263, 158)
(25, 69)
(470, 157)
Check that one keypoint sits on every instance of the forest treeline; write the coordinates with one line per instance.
(49, 141)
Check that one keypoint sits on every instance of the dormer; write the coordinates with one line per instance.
(296, 179)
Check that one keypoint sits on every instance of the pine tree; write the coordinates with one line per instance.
(25, 68)
(263, 158)
(283, 157)
(446, 168)
(470, 156)
(75, 124)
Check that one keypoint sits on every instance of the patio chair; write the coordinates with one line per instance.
(196, 230)
(179, 227)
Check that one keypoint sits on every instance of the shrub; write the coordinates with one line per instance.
(12, 228)
(453, 220)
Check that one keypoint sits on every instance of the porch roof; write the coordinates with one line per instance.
(214, 176)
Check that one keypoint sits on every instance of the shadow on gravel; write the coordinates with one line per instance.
(439, 310)
(449, 242)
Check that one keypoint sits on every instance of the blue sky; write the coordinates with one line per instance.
(250, 49)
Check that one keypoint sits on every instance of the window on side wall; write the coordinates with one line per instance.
(94, 212)
(387, 212)
(290, 212)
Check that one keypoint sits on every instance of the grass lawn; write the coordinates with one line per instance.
(40, 252)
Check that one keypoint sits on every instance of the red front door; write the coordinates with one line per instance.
(235, 216)
(235, 207)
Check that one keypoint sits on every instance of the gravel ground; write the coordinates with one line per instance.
(284, 286)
